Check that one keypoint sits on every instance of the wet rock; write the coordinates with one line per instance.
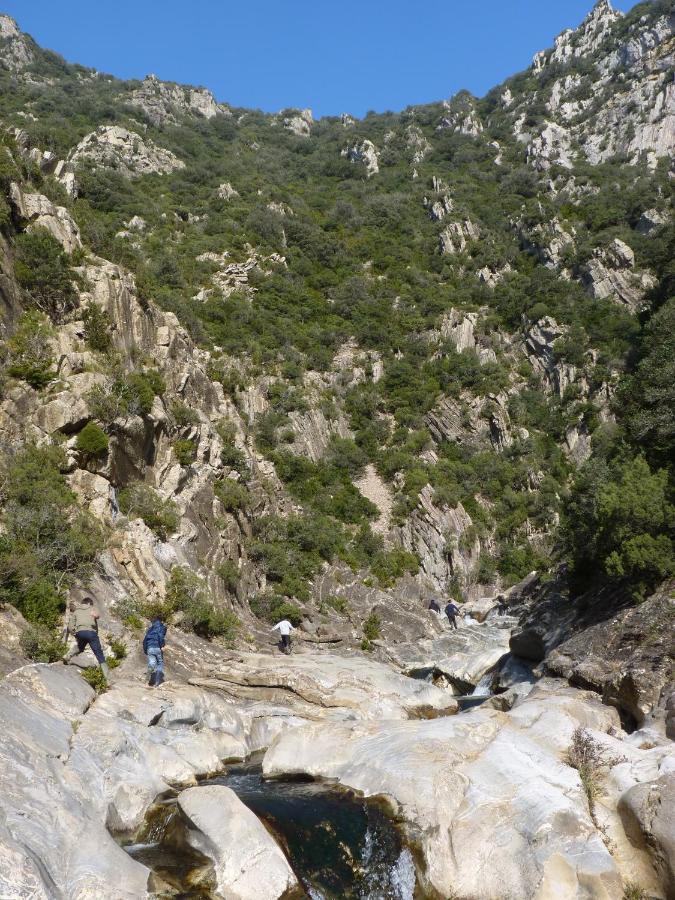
(247, 862)
(462, 656)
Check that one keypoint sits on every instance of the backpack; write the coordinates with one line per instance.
(154, 636)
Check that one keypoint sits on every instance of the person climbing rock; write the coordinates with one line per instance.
(284, 628)
(434, 607)
(153, 647)
(82, 622)
(451, 611)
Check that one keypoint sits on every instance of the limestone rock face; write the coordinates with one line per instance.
(454, 780)
(113, 147)
(329, 686)
(434, 533)
(226, 191)
(649, 808)
(299, 122)
(248, 864)
(603, 648)
(553, 145)
(365, 153)
(17, 53)
(40, 212)
(455, 236)
(163, 101)
(651, 220)
(538, 345)
(461, 656)
(611, 274)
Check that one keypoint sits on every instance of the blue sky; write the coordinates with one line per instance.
(330, 56)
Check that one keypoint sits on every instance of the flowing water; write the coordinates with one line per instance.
(339, 845)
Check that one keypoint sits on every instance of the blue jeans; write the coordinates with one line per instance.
(155, 660)
(85, 637)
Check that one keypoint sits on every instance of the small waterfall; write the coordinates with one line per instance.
(483, 688)
(403, 877)
(114, 503)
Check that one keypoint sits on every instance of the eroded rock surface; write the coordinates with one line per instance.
(247, 862)
(454, 780)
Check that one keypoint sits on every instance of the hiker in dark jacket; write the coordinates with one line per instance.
(451, 611)
(434, 607)
(153, 643)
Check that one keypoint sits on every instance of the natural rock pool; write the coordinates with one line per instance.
(339, 845)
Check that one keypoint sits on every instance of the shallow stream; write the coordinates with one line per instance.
(339, 845)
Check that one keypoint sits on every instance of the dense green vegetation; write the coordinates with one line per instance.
(340, 257)
(47, 542)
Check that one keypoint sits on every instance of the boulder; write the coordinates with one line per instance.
(649, 809)
(247, 862)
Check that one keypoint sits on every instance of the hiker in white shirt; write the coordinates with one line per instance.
(284, 627)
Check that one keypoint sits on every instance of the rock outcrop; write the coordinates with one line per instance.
(611, 274)
(113, 147)
(605, 643)
(330, 686)
(455, 236)
(365, 153)
(39, 212)
(247, 862)
(454, 780)
(163, 102)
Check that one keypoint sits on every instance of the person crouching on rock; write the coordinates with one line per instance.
(83, 623)
(284, 628)
(153, 643)
(451, 611)
(434, 607)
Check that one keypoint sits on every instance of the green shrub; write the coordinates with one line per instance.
(339, 604)
(228, 571)
(95, 679)
(618, 523)
(185, 452)
(372, 627)
(187, 593)
(92, 442)
(97, 328)
(41, 644)
(47, 542)
(392, 565)
(232, 494)
(140, 501)
(118, 648)
(184, 415)
(29, 356)
(43, 271)
(273, 608)
(129, 394)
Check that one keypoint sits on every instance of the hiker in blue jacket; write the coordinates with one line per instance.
(153, 642)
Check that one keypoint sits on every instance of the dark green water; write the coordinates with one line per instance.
(339, 845)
